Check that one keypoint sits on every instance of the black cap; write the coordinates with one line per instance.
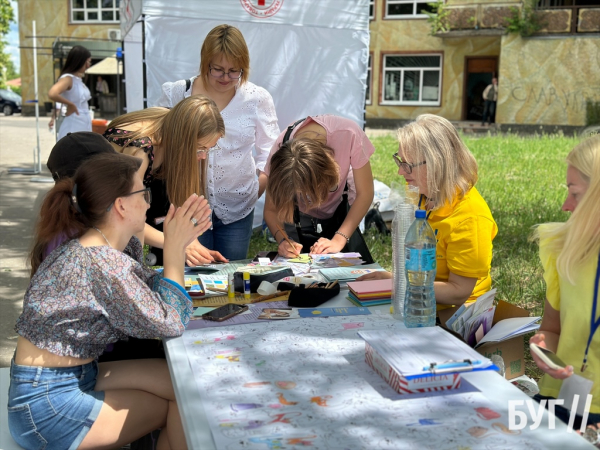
(68, 153)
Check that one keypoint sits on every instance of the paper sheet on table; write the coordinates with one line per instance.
(263, 368)
(509, 328)
(304, 258)
(215, 281)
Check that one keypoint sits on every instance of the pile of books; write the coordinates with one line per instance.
(370, 293)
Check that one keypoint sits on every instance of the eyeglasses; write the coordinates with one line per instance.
(407, 167)
(147, 196)
(214, 148)
(232, 74)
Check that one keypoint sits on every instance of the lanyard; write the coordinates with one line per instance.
(594, 323)
(421, 197)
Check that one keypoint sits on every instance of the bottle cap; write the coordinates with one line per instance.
(420, 214)
(246, 275)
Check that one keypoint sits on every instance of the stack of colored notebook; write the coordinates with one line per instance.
(370, 293)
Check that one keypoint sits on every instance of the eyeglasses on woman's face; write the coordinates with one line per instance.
(219, 73)
(406, 167)
(206, 151)
(147, 196)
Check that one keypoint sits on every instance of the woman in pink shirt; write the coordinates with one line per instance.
(320, 180)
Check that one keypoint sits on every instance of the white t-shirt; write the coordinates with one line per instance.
(250, 131)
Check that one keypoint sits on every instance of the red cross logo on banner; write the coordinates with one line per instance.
(262, 8)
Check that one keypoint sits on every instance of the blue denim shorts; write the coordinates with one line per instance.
(52, 407)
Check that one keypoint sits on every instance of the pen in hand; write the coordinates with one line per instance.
(288, 241)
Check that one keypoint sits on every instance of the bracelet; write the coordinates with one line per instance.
(343, 235)
(275, 235)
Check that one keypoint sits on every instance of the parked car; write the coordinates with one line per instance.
(10, 102)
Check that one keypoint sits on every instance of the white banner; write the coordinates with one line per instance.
(311, 55)
(307, 70)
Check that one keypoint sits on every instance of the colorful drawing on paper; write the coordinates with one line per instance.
(304, 383)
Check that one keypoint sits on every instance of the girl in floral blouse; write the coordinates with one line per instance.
(90, 291)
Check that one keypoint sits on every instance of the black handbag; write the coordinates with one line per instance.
(326, 228)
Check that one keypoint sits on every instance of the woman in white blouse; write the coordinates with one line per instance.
(73, 93)
(234, 178)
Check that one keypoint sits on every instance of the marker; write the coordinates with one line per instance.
(452, 365)
(246, 284)
(230, 286)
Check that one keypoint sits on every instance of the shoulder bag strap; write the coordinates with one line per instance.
(188, 83)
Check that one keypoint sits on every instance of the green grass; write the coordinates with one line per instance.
(523, 181)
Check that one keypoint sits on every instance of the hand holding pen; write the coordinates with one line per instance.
(288, 248)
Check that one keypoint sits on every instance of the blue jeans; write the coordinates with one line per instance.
(52, 407)
(489, 108)
(231, 240)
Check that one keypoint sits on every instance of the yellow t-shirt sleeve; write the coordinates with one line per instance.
(548, 260)
(469, 251)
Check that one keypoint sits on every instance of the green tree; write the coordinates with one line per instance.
(7, 67)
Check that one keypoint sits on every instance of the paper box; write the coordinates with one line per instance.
(511, 350)
(409, 384)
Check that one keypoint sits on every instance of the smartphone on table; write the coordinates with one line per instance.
(224, 312)
(548, 356)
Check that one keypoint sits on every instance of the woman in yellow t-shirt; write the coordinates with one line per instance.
(570, 253)
(432, 156)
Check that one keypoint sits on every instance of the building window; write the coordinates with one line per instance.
(368, 93)
(412, 79)
(398, 9)
(95, 11)
(371, 9)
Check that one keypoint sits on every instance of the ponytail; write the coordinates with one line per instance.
(58, 222)
(76, 204)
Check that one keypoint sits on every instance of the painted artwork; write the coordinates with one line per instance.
(305, 384)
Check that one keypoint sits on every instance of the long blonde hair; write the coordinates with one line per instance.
(578, 238)
(450, 164)
(177, 131)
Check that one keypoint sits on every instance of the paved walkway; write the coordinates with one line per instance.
(19, 202)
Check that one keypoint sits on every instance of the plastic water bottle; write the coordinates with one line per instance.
(420, 264)
(404, 215)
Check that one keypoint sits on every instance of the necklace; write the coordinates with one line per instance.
(98, 230)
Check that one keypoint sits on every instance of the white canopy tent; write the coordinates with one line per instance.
(311, 55)
(108, 66)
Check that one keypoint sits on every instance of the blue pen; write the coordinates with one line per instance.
(452, 365)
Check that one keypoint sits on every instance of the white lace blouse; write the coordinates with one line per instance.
(250, 131)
